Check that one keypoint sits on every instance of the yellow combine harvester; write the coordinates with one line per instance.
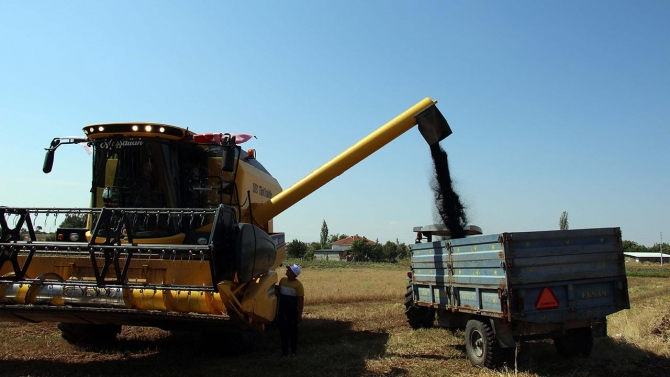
(179, 233)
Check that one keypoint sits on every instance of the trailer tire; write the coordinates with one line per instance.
(575, 343)
(417, 316)
(481, 345)
(79, 333)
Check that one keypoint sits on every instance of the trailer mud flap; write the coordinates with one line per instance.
(504, 333)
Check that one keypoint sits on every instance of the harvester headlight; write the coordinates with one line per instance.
(74, 237)
(91, 129)
(161, 130)
(101, 128)
(135, 128)
(147, 128)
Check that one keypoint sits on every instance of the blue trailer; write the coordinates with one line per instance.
(512, 287)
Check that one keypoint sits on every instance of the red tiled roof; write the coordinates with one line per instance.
(349, 240)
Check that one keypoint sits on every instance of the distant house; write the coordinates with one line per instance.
(327, 254)
(343, 246)
(647, 257)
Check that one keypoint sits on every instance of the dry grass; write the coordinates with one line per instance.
(353, 285)
(643, 325)
(354, 326)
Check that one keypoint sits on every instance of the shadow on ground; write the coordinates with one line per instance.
(326, 348)
(609, 358)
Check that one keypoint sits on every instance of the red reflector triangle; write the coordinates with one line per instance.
(546, 300)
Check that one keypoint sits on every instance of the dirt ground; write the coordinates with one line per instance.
(331, 346)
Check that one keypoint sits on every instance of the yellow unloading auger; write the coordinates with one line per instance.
(198, 253)
(432, 125)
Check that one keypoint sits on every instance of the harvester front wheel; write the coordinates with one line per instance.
(79, 333)
(417, 316)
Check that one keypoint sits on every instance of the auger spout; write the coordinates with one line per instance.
(432, 125)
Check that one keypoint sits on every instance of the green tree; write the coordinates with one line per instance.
(633, 247)
(657, 248)
(324, 234)
(563, 221)
(403, 250)
(359, 249)
(375, 252)
(336, 237)
(74, 221)
(296, 249)
(390, 251)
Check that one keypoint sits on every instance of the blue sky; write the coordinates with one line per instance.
(555, 105)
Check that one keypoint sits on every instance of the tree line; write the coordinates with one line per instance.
(634, 247)
(361, 250)
(70, 221)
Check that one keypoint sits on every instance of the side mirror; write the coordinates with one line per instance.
(49, 158)
(48, 161)
(55, 143)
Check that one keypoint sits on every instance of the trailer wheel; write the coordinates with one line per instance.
(79, 333)
(417, 316)
(481, 344)
(575, 343)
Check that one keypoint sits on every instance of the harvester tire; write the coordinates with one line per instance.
(417, 316)
(575, 343)
(78, 333)
(481, 345)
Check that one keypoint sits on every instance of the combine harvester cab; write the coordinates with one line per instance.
(179, 234)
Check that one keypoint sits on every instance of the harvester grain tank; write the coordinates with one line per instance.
(179, 233)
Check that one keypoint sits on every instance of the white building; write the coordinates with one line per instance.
(647, 257)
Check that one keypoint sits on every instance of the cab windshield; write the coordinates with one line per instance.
(153, 173)
(134, 173)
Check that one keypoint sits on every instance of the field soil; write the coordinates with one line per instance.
(354, 326)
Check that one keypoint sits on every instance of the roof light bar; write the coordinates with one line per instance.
(103, 130)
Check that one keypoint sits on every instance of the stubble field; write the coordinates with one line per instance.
(354, 325)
